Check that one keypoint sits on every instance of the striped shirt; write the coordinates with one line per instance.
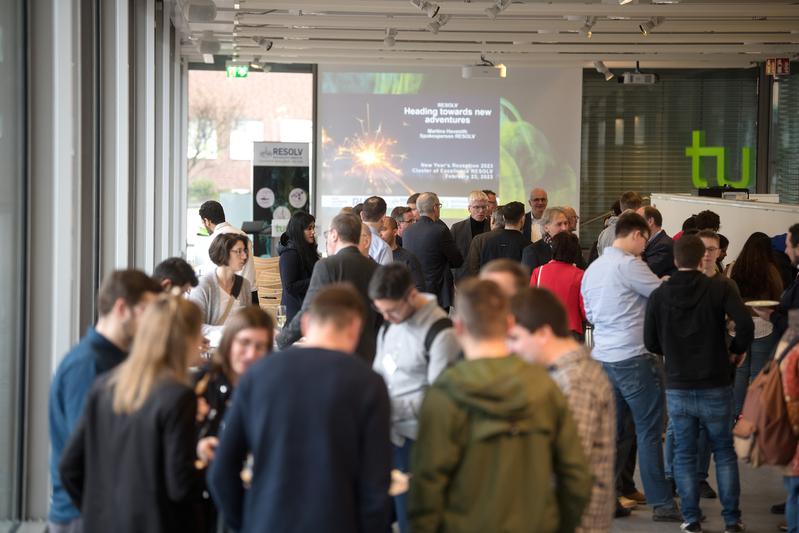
(593, 407)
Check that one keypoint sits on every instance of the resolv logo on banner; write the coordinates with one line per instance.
(281, 154)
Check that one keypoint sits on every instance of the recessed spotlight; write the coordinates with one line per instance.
(587, 29)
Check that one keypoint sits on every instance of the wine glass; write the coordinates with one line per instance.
(280, 316)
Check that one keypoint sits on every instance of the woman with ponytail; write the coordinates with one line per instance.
(130, 464)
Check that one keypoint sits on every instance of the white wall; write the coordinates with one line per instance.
(738, 219)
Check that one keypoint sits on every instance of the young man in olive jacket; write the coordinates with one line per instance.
(494, 432)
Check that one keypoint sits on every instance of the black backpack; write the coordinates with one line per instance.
(435, 328)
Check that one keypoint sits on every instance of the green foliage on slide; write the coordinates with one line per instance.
(397, 82)
(526, 160)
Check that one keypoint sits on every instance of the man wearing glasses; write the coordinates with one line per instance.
(414, 345)
(533, 227)
(478, 222)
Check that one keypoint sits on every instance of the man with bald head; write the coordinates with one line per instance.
(432, 243)
(533, 227)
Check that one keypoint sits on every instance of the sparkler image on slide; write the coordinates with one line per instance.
(371, 155)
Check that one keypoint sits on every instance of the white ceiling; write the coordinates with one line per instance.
(695, 33)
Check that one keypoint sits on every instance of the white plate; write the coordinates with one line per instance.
(763, 303)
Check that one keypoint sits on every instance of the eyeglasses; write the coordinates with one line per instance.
(239, 251)
(438, 205)
(711, 249)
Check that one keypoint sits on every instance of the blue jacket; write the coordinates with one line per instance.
(317, 425)
(92, 356)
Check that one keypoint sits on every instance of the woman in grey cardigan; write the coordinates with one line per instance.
(221, 292)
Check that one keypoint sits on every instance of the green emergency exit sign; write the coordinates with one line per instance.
(238, 71)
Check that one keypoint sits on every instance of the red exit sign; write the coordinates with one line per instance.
(778, 66)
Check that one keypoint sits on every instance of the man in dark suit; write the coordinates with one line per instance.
(432, 243)
(317, 424)
(533, 221)
(540, 252)
(343, 264)
(508, 243)
(659, 251)
(464, 231)
(472, 259)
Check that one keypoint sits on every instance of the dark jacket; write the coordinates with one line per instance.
(659, 255)
(432, 243)
(486, 420)
(135, 472)
(348, 265)
(527, 228)
(295, 277)
(788, 301)
(506, 244)
(405, 257)
(540, 253)
(686, 322)
(462, 233)
(476, 251)
(317, 425)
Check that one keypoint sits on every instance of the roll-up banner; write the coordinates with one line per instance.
(280, 185)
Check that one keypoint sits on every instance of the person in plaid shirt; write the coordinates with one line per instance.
(541, 335)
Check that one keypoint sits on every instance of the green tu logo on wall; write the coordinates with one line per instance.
(698, 150)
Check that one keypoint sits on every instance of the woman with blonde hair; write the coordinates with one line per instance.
(129, 465)
(248, 336)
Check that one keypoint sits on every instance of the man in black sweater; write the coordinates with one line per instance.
(508, 243)
(686, 322)
(316, 422)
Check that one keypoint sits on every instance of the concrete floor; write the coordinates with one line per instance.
(760, 489)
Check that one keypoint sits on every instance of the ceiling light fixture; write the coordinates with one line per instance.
(498, 7)
(263, 41)
(587, 29)
(437, 23)
(603, 69)
(624, 2)
(647, 27)
(429, 8)
(390, 39)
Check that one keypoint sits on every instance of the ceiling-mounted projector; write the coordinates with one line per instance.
(638, 78)
(486, 70)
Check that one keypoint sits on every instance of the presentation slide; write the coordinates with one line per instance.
(399, 131)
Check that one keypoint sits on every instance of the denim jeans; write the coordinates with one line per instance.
(756, 358)
(638, 386)
(792, 503)
(712, 408)
(703, 453)
(402, 462)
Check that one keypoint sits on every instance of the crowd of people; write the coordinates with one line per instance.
(483, 377)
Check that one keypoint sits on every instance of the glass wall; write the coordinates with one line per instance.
(784, 161)
(12, 260)
(226, 115)
(692, 129)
